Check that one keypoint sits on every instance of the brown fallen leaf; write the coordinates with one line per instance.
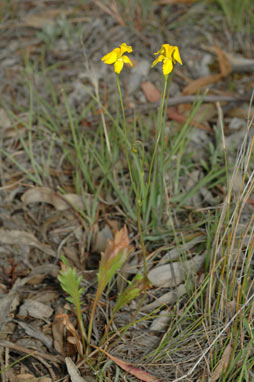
(40, 19)
(8, 303)
(58, 331)
(25, 377)
(174, 115)
(120, 243)
(168, 298)
(47, 195)
(100, 238)
(35, 309)
(150, 91)
(72, 334)
(223, 363)
(196, 85)
(130, 368)
(15, 237)
(224, 64)
(34, 332)
(225, 70)
(73, 371)
(173, 274)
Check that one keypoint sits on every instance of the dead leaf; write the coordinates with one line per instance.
(54, 358)
(8, 304)
(39, 273)
(5, 122)
(223, 363)
(120, 243)
(71, 331)
(151, 93)
(225, 70)
(174, 115)
(47, 195)
(14, 237)
(241, 112)
(204, 114)
(224, 64)
(58, 332)
(26, 377)
(132, 369)
(100, 238)
(160, 323)
(34, 332)
(73, 371)
(173, 254)
(39, 20)
(239, 63)
(35, 309)
(196, 85)
(167, 298)
(173, 274)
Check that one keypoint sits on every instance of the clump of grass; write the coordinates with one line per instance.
(136, 12)
(231, 287)
(218, 317)
(238, 13)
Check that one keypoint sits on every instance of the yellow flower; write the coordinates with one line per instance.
(117, 58)
(169, 55)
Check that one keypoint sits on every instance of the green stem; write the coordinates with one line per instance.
(160, 134)
(162, 123)
(138, 193)
(125, 134)
(81, 325)
(142, 237)
(91, 319)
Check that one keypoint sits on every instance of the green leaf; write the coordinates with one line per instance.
(133, 290)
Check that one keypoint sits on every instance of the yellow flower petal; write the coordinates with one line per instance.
(169, 55)
(127, 60)
(167, 66)
(110, 58)
(168, 50)
(118, 66)
(159, 52)
(125, 48)
(176, 55)
(116, 57)
(158, 59)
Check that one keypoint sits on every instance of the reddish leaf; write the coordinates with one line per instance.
(151, 93)
(173, 114)
(120, 243)
(225, 66)
(132, 369)
(198, 84)
(225, 70)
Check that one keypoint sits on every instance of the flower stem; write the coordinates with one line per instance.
(125, 134)
(160, 134)
(91, 319)
(142, 237)
(137, 192)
